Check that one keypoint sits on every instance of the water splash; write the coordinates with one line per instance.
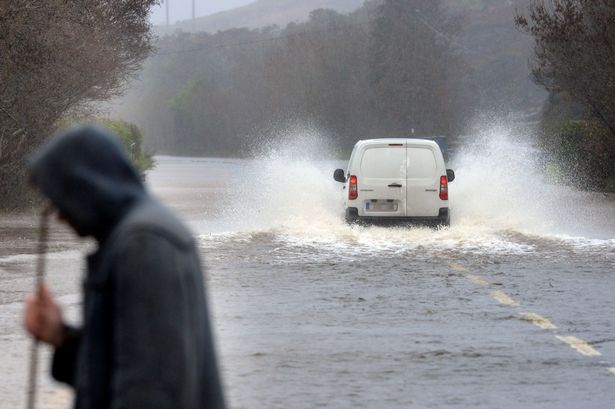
(502, 186)
(288, 187)
(500, 201)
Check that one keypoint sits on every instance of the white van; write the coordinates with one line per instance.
(396, 180)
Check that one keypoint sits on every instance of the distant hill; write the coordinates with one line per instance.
(261, 13)
(496, 53)
(493, 75)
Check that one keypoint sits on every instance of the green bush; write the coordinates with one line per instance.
(584, 155)
(132, 139)
(129, 134)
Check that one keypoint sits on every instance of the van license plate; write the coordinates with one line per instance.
(381, 207)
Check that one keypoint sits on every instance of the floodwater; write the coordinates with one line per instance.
(511, 307)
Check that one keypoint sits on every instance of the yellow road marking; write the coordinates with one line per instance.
(477, 280)
(578, 344)
(612, 370)
(502, 298)
(581, 346)
(538, 320)
(458, 267)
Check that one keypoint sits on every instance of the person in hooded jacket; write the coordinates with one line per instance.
(146, 340)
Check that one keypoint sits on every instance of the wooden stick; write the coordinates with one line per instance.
(39, 279)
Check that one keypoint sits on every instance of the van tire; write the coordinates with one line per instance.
(445, 217)
(445, 223)
(352, 215)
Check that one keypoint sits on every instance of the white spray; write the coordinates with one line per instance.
(499, 195)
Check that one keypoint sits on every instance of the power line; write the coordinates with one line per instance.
(450, 39)
(251, 42)
(168, 12)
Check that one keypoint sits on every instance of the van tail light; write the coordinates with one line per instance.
(443, 187)
(353, 190)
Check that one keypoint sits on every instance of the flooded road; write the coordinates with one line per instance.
(511, 307)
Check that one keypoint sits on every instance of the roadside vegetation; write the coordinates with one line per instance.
(575, 61)
(57, 58)
(128, 133)
(132, 139)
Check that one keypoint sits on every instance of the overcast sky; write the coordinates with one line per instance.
(182, 9)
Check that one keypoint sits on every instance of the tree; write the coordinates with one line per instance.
(575, 51)
(575, 61)
(56, 57)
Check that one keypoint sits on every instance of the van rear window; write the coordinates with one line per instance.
(421, 163)
(384, 163)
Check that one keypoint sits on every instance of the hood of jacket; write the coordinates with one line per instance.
(88, 177)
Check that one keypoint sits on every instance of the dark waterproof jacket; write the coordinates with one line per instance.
(146, 340)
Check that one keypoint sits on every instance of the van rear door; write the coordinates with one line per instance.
(423, 181)
(382, 180)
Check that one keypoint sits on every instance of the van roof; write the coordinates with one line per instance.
(410, 141)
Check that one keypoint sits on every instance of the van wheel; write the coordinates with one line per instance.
(442, 223)
(352, 215)
(444, 217)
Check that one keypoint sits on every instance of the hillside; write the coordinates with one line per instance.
(261, 13)
(325, 74)
(496, 52)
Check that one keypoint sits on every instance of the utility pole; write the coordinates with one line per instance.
(168, 17)
(415, 122)
(193, 9)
